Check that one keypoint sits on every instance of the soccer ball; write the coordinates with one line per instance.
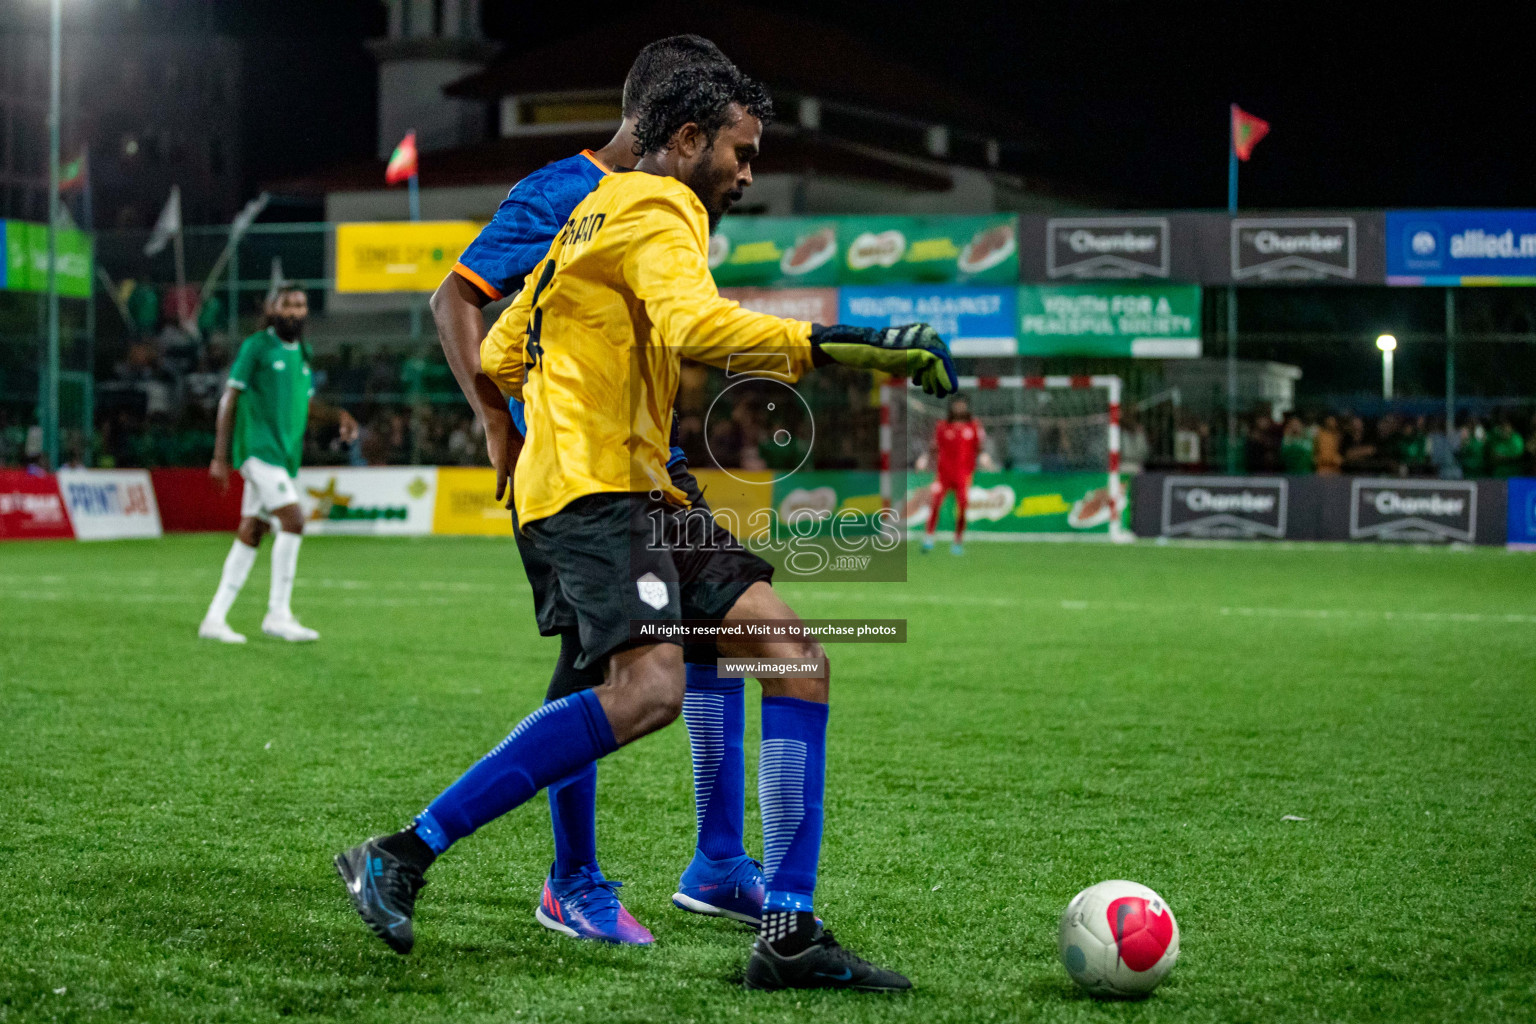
(1118, 939)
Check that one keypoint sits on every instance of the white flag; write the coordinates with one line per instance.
(247, 216)
(168, 225)
(277, 278)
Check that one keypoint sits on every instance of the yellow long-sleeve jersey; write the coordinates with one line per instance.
(592, 343)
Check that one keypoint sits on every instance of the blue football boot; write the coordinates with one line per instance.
(732, 889)
(586, 906)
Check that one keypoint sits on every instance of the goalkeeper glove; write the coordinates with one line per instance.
(912, 350)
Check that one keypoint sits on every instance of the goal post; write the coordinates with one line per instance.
(1041, 432)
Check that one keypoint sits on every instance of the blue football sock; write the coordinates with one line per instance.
(573, 813)
(715, 712)
(791, 778)
(553, 742)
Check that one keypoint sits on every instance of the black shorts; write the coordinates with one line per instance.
(620, 559)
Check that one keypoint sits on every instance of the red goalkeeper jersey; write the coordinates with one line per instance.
(958, 445)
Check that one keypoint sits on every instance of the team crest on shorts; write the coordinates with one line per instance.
(652, 591)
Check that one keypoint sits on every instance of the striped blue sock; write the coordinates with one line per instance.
(791, 779)
(715, 712)
(550, 744)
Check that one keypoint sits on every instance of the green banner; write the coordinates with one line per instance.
(922, 250)
(26, 259)
(1157, 321)
(808, 252)
(1010, 502)
(1002, 502)
(787, 251)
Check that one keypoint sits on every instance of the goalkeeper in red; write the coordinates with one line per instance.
(959, 441)
(593, 347)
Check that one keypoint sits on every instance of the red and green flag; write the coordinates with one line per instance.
(1247, 130)
(72, 174)
(402, 162)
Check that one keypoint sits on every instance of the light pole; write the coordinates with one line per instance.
(50, 382)
(1388, 344)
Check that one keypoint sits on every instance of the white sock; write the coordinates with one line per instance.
(285, 565)
(237, 566)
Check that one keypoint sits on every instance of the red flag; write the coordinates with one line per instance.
(72, 174)
(1247, 130)
(402, 162)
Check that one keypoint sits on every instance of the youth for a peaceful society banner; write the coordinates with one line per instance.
(1150, 320)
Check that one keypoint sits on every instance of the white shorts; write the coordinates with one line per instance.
(267, 488)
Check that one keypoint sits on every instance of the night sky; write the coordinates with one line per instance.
(1130, 99)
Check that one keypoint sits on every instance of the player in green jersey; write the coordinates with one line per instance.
(261, 424)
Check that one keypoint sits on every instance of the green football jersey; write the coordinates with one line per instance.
(274, 380)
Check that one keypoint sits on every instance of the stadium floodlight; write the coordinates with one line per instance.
(1388, 344)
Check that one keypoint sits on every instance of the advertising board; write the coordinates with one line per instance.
(371, 501)
(31, 507)
(1461, 247)
(1145, 320)
(399, 256)
(110, 504)
(975, 321)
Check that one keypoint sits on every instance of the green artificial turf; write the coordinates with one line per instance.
(1061, 714)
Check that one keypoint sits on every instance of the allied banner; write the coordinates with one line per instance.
(975, 321)
(31, 507)
(399, 256)
(26, 259)
(1150, 320)
(382, 501)
(1521, 514)
(1461, 247)
(110, 504)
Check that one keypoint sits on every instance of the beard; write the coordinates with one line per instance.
(289, 328)
(713, 190)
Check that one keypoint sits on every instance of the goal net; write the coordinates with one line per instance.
(1052, 453)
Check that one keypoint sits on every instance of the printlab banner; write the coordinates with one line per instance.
(1151, 320)
(975, 321)
(1461, 247)
(110, 504)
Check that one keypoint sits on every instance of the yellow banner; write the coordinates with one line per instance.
(466, 504)
(399, 256)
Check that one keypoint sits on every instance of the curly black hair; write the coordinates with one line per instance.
(699, 95)
(657, 61)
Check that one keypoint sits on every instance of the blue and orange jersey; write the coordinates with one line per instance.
(526, 222)
(520, 233)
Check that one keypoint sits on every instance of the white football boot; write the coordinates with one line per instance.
(219, 630)
(287, 627)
